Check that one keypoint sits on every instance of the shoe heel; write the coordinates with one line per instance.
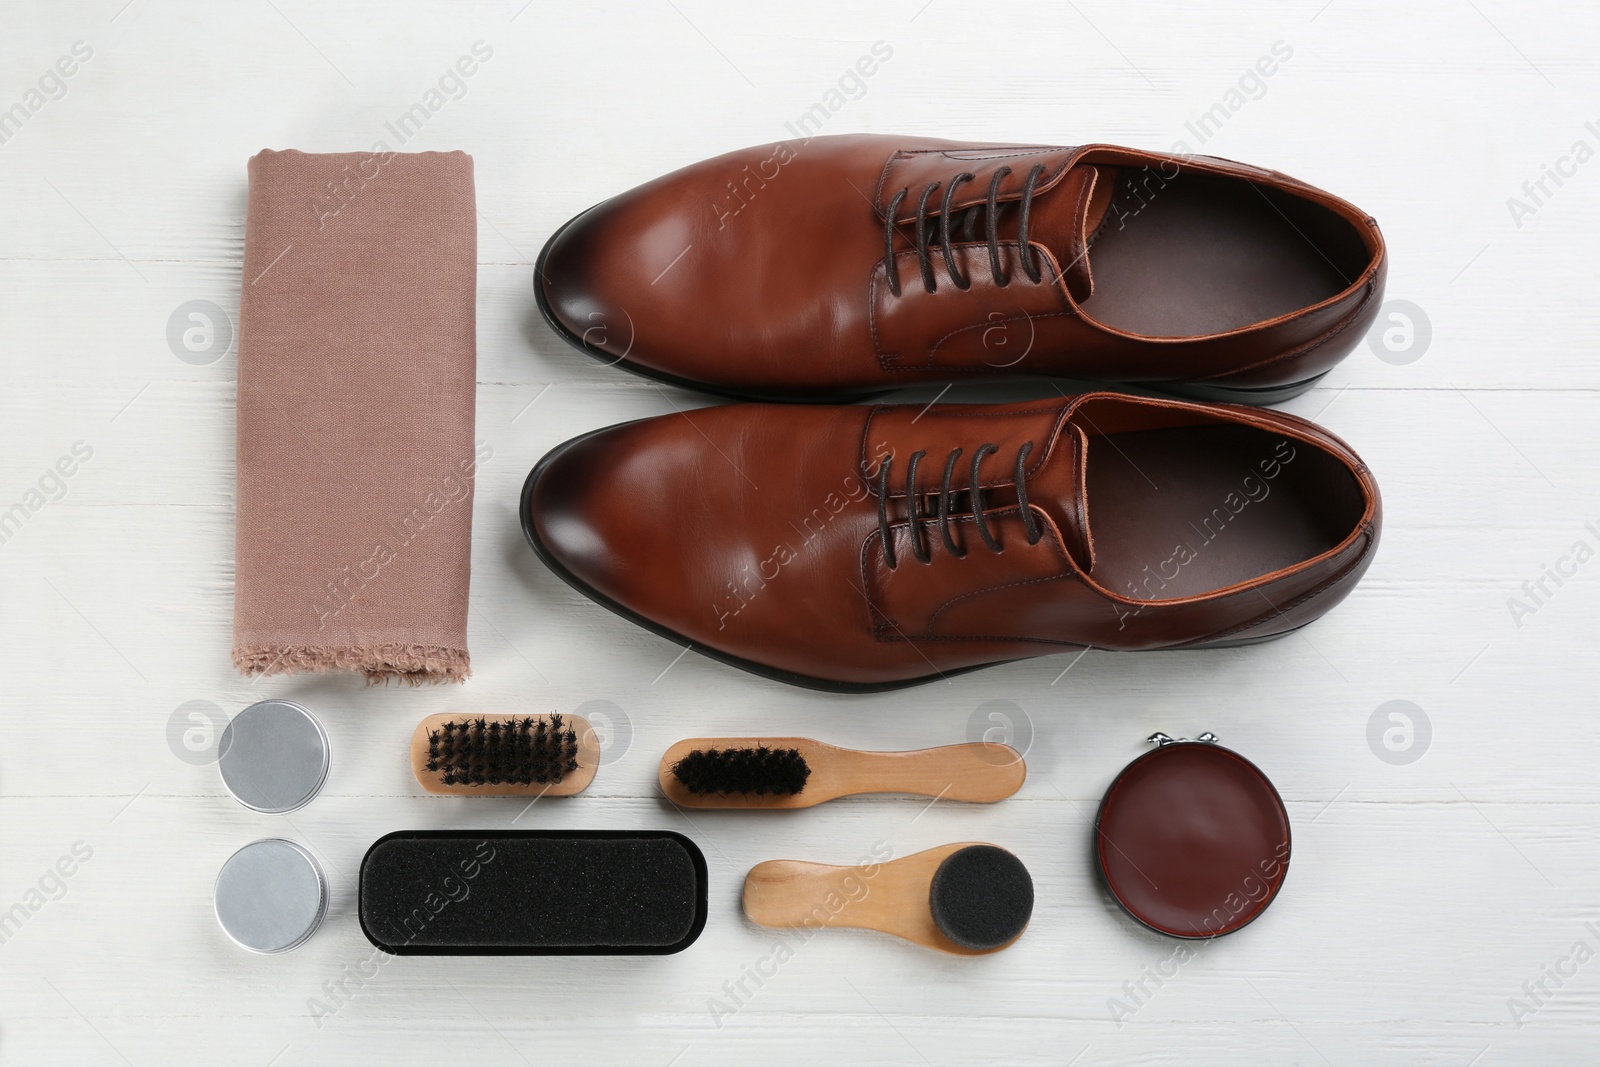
(1227, 394)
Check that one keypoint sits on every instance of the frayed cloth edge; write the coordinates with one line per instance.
(379, 664)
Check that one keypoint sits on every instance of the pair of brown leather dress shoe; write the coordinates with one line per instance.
(860, 547)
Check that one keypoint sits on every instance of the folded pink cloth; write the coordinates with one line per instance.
(357, 369)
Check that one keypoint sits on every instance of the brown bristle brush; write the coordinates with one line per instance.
(797, 772)
(504, 755)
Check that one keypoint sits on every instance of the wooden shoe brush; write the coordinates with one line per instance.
(800, 773)
(504, 755)
(967, 899)
(797, 772)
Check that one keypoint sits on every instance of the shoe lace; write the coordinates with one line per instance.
(922, 223)
(919, 540)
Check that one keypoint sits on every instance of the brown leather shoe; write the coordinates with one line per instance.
(772, 272)
(777, 538)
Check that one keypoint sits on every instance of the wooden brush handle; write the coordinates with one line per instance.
(977, 772)
(573, 782)
(890, 896)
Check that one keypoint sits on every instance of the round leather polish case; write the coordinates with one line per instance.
(1192, 840)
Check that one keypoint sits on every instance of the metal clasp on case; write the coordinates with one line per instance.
(1162, 740)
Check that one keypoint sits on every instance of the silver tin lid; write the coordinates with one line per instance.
(271, 896)
(273, 756)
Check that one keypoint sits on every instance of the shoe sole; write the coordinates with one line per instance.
(1189, 391)
(1231, 394)
(805, 681)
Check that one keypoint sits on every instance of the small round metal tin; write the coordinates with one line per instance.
(273, 756)
(271, 896)
(1192, 840)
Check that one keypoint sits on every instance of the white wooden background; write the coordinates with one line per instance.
(1423, 896)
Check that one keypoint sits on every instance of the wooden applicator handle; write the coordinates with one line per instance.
(890, 896)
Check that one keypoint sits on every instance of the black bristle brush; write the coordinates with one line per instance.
(504, 755)
(759, 771)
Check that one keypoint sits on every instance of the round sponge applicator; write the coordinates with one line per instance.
(981, 897)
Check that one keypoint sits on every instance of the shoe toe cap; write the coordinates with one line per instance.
(567, 511)
(606, 277)
(577, 292)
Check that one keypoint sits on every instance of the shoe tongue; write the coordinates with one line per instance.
(1066, 218)
(1057, 489)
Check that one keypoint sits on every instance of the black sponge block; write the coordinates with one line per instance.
(981, 897)
(533, 892)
